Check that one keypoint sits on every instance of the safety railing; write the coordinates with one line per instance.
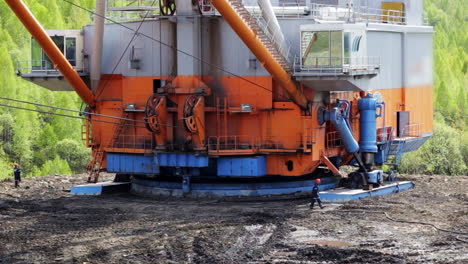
(413, 130)
(287, 143)
(132, 5)
(254, 144)
(129, 16)
(219, 143)
(357, 14)
(141, 142)
(296, 9)
(131, 10)
(39, 66)
(309, 138)
(278, 142)
(385, 134)
(336, 65)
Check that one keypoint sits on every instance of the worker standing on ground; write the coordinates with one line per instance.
(316, 195)
(17, 173)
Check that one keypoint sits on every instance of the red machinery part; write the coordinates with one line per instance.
(189, 119)
(204, 6)
(151, 113)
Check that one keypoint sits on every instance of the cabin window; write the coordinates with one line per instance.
(336, 48)
(347, 47)
(323, 48)
(36, 55)
(356, 43)
(70, 52)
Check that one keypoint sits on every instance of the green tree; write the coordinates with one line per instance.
(76, 154)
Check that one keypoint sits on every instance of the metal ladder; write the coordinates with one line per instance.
(254, 25)
(94, 167)
(394, 150)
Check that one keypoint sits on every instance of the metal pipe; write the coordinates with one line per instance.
(49, 47)
(260, 51)
(97, 43)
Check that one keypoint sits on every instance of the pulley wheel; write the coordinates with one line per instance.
(151, 113)
(189, 119)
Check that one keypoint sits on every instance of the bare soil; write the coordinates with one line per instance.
(42, 223)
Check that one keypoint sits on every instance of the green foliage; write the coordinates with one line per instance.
(55, 166)
(36, 140)
(6, 132)
(72, 152)
(450, 58)
(6, 168)
(431, 158)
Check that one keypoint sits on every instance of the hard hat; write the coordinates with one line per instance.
(16, 164)
(318, 180)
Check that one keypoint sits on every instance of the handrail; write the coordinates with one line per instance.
(132, 5)
(283, 10)
(357, 14)
(28, 66)
(336, 64)
(413, 130)
(52, 51)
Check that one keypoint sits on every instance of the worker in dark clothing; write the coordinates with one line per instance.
(316, 195)
(17, 173)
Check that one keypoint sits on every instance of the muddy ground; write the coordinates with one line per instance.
(42, 223)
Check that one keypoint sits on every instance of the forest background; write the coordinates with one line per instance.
(48, 144)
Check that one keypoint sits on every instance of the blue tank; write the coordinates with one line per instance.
(368, 106)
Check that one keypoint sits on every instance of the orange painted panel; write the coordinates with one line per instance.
(254, 90)
(417, 100)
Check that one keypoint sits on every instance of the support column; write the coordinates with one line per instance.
(97, 44)
(188, 40)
